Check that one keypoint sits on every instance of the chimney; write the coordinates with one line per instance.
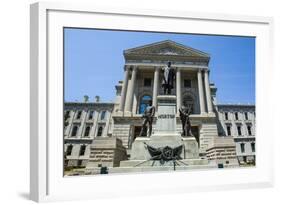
(97, 98)
(86, 98)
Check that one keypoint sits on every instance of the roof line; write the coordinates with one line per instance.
(166, 41)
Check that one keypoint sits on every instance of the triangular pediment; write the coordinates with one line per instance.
(166, 48)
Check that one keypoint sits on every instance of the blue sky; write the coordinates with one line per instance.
(94, 62)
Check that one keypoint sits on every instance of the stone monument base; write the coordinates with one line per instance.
(193, 165)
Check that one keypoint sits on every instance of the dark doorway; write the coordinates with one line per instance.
(195, 132)
(135, 134)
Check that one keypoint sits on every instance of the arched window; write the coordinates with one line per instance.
(100, 131)
(74, 131)
(144, 102)
(87, 131)
(188, 102)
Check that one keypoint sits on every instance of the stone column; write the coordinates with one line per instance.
(130, 91)
(200, 90)
(208, 91)
(178, 89)
(105, 129)
(95, 124)
(124, 89)
(155, 86)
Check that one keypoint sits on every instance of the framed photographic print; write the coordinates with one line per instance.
(130, 102)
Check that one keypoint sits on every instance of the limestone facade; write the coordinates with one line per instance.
(238, 121)
(142, 82)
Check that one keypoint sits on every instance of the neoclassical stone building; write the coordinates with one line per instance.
(102, 130)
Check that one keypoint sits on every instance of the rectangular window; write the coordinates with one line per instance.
(82, 150)
(79, 163)
(69, 150)
(102, 117)
(249, 128)
(78, 115)
(67, 115)
(239, 130)
(226, 116)
(236, 116)
(253, 147)
(91, 115)
(187, 83)
(147, 82)
(246, 116)
(228, 130)
(242, 146)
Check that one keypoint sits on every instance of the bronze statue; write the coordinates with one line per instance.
(185, 121)
(168, 80)
(148, 118)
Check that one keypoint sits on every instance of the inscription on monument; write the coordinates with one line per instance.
(166, 116)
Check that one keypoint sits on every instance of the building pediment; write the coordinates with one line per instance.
(165, 48)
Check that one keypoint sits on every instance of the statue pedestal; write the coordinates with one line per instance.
(164, 135)
(191, 150)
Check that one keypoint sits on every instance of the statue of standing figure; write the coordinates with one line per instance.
(185, 121)
(147, 118)
(168, 80)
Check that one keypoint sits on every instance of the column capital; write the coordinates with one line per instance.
(134, 67)
(178, 68)
(126, 67)
(157, 68)
(206, 70)
(201, 70)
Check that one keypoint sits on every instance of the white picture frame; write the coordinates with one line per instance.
(46, 163)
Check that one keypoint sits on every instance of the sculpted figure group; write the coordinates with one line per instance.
(148, 115)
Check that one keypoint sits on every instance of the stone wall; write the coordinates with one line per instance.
(107, 151)
(207, 133)
(222, 150)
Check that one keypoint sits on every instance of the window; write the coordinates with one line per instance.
(79, 163)
(91, 115)
(246, 116)
(188, 102)
(242, 146)
(100, 131)
(239, 130)
(187, 83)
(253, 147)
(228, 128)
(69, 150)
(144, 102)
(78, 115)
(226, 116)
(66, 115)
(249, 128)
(82, 150)
(87, 131)
(74, 131)
(236, 116)
(65, 124)
(147, 82)
(102, 115)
